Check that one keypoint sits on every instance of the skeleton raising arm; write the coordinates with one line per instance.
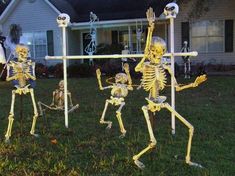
(151, 18)
(98, 75)
(127, 71)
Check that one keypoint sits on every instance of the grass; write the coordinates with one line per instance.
(86, 148)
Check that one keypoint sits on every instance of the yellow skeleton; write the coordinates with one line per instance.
(119, 91)
(154, 80)
(21, 71)
(58, 100)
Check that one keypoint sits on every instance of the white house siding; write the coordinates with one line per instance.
(219, 10)
(37, 16)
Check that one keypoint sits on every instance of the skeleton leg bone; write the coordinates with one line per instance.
(191, 130)
(153, 141)
(10, 118)
(74, 108)
(102, 121)
(41, 109)
(32, 131)
(119, 117)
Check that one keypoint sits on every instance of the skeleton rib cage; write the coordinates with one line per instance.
(153, 75)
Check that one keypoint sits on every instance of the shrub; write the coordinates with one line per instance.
(80, 70)
(41, 70)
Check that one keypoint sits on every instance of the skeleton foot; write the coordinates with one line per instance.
(35, 135)
(122, 135)
(195, 164)
(7, 140)
(139, 164)
(109, 126)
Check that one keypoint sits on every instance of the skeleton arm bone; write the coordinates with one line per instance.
(199, 80)
(98, 75)
(28, 75)
(151, 18)
(168, 68)
(70, 99)
(53, 99)
(127, 70)
(9, 77)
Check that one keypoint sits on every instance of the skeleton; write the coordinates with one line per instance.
(22, 73)
(154, 80)
(119, 91)
(91, 47)
(186, 60)
(57, 101)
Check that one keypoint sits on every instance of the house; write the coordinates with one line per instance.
(212, 34)
(123, 22)
(37, 19)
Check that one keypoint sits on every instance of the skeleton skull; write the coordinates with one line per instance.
(121, 78)
(63, 20)
(157, 49)
(171, 10)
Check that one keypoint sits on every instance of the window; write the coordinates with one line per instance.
(37, 43)
(121, 36)
(208, 36)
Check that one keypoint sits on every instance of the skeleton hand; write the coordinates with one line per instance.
(199, 80)
(150, 16)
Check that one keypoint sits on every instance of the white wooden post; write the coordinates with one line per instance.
(172, 50)
(65, 76)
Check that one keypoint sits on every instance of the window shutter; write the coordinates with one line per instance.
(228, 35)
(185, 32)
(50, 43)
(114, 37)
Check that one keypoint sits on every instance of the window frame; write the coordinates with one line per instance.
(33, 53)
(207, 36)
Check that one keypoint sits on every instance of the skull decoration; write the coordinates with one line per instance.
(63, 20)
(171, 10)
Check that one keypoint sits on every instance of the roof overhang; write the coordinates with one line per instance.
(114, 23)
(14, 3)
(8, 10)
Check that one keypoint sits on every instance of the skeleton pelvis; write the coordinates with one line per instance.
(23, 90)
(116, 101)
(156, 104)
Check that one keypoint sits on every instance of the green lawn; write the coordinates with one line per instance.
(86, 148)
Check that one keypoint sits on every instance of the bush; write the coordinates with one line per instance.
(56, 70)
(81, 70)
(109, 66)
(41, 70)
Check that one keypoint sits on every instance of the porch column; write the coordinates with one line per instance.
(130, 38)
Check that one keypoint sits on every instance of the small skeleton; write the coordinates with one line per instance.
(58, 101)
(119, 91)
(154, 80)
(186, 60)
(22, 74)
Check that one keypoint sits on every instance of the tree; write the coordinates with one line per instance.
(198, 8)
